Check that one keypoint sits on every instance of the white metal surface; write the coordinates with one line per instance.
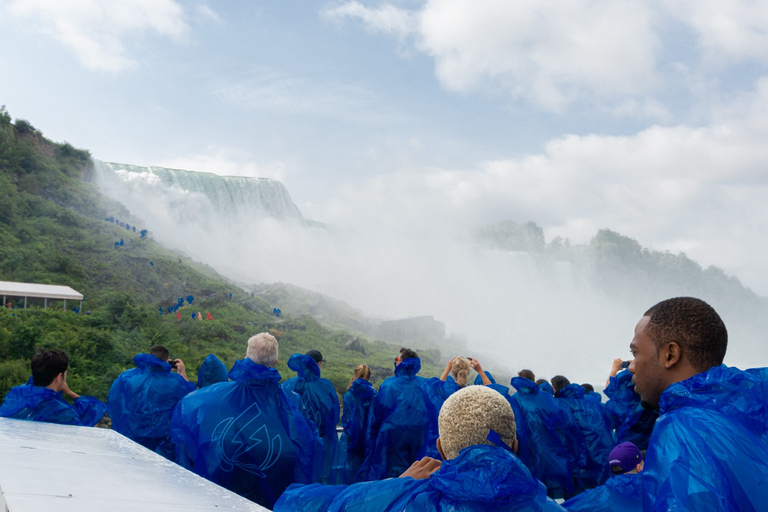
(64, 468)
(50, 291)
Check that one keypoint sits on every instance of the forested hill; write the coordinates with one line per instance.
(55, 228)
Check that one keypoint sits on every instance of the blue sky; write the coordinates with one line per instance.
(645, 117)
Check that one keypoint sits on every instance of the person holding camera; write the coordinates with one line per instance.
(141, 400)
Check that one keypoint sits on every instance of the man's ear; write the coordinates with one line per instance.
(671, 354)
(440, 449)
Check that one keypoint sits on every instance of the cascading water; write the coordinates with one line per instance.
(515, 310)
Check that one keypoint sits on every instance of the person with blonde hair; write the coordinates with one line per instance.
(436, 390)
(354, 420)
(479, 471)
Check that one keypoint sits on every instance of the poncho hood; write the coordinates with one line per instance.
(487, 474)
(362, 389)
(629, 485)
(246, 370)
(408, 367)
(304, 366)
(523, 385)
(731, 392)
(572, 391)
(150, 363)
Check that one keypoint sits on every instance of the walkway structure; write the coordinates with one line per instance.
(41, 291)
(72, 469)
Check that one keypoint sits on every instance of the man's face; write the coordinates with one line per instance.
(646, 366)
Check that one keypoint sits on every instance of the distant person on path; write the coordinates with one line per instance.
(478, 473)
(318, 402)
(246, 434)
(709, 448)
(40, 399)
(623, 491)
(400, 422)
(142, 399)
(358, 405)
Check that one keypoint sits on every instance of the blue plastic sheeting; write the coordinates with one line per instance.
(246, 435)
(211, 371)
(632, 421)
(481, 479)
(142, 399)
(548, 457)
(36, 403)
(399, 424)
(435, 393)
(319, 403)
(358, 405)
(710, 444)
(596, 428)
(620, 492)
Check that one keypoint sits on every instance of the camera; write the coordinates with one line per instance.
(173, 363)
(625, 364)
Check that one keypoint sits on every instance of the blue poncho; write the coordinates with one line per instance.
(620, 492)
(399, 424)
(435, 392)
(319, 403)
(481, 479)
(709, 449)
(358, 404)
(141, 401)
(596, 428)
(246, 435)
(632, 421)
(547, 455)
(37, 403)
(211, 371)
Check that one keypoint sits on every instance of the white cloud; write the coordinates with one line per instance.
(99, 33)
(665, 186)
(619, 55)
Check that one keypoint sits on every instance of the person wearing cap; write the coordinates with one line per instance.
(623, 491)
(709, 447)
(399, 422)
(318, 402)
(479, 471)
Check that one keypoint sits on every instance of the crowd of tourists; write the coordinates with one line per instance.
(679, 430)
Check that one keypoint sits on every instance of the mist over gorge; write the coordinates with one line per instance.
(520, 301)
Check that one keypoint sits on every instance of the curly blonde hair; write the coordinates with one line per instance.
(468, 415)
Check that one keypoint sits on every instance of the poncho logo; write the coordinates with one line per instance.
(237, 436)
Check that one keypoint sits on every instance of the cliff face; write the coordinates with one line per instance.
(225, 196)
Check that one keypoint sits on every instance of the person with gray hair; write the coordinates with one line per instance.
(246, 434)
(480, 471)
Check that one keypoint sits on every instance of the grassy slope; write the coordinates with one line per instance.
(52, 230)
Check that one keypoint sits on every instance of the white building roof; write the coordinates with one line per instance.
(50, 291)
(66, 469)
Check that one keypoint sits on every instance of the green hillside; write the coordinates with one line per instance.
(53, 231)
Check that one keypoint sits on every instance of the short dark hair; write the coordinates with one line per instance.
(406, 353)
(694, 325)
(527, 374)
(559, 382)
(540, 381)
(617, 470)
(588, 388)
(47, 364)
(160, 352)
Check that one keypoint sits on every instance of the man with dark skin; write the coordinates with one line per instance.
(709, 447)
